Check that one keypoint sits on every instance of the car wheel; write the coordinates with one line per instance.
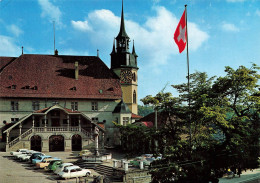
(87, 174)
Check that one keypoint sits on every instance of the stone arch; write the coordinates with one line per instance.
(56, 143)
(76, 142)
(36, 143)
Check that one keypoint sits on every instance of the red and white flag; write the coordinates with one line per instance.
(180, 35)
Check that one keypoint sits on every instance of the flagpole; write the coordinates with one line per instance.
(188, 68)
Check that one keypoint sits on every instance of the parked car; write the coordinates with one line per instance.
(19, 151)
(40, 159)
(61, 167)
(28, 152)
(74, 171)
(34, 155)
(83, 152)
(53, 165)
(45, 162)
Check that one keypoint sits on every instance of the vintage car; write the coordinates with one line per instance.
(19, 151)
(46, 162)
(61, 167)
(53, 165)
(74, 171)
(34, 155)
(19, 156)
(40, 159)
(83, 152)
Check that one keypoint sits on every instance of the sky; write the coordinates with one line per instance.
(220, 33)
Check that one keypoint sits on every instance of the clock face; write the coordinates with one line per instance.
(126, 76)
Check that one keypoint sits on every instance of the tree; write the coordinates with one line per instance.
(223, 119)
(144, 110)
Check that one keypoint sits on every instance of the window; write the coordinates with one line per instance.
(35, 105)
(14, 105)
(13, 87)
(74, 106)
(14, 120)
(94, 119)
(134, 97)
(94, 106)
(125, 120)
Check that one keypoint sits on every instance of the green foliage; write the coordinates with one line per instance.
(222, 123)
(144, 110)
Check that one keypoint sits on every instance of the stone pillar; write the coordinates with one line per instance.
(96, 132)
(126, 165)
(45, 123)
(33, 123)
(20, 129)
(114, 163)
(141, 165)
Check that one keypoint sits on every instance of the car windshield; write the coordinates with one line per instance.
(39, 157)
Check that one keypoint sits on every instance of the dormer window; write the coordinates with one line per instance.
(13, 87)
(35, 88)
(73, 88)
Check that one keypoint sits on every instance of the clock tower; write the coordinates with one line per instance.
(124, 65)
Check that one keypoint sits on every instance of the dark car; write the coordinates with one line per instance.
(34, 155)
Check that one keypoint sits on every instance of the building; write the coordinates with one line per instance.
(57, 102)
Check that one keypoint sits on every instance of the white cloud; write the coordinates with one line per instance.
(15, 30)
(82, 26)
(154, 39)
(229, 27)
(50, 11)
(8, 47)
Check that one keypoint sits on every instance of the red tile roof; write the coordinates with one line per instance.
(135, 116)
(49, 76)
(4, 61)
(148, 124)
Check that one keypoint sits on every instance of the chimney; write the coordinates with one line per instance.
(76, 70)
(56, 52)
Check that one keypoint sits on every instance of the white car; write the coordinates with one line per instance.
(19, 151)
(61, 167)
(26, 157)
(74, 171)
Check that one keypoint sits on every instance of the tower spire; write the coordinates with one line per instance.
(114, 48)
(133, 51)
(122, 32)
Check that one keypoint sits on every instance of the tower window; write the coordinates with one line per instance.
(134, 97)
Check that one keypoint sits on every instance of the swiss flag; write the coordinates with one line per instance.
(180, 35)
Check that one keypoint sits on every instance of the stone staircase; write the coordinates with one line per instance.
(104, 170)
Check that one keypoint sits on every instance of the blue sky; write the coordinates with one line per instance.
(221, 33)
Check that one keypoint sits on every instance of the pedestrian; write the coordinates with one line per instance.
(239, 171)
